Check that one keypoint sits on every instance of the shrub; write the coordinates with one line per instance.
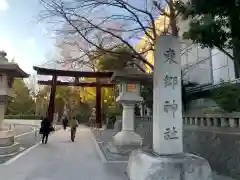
(110, 119)
(228, 97)
(28, 117)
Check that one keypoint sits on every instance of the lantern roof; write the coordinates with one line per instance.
(131, 75)
(9, 68)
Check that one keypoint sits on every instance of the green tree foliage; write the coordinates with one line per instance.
(42, 100)
(23, 102)
(83, 112)
(64, 96)
(122, 58)
(228, 98)
(215, 23)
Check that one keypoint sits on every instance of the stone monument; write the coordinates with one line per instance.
(167, 160)
(8, 71)
(129, 95)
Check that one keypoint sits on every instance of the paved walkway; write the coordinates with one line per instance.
(61, 159)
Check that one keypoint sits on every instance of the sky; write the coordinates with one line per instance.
(21, 36)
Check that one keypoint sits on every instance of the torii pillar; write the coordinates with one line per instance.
(51, 105)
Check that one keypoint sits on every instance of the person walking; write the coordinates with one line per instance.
(73, 125)
(65, 122)
(45, 130)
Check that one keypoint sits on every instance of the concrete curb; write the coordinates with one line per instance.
(20, 154)
(99, 151)
(36, 130)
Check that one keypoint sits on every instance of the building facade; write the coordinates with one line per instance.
(222, 67)
(200, 65)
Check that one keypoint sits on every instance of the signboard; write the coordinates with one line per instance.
(131, 87)
(167, 103)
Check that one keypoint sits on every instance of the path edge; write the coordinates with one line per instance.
(20, 154)
(25, 151)
(100, 153)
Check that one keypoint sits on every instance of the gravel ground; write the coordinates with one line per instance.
(106, 136)
(103, 140)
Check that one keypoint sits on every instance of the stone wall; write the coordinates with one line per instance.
(221, 149)
(217, 139)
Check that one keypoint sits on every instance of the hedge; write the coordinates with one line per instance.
(27, 117)
(228, 97)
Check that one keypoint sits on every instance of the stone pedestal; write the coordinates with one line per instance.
(127, 138)
(8, 148)
(149, 166)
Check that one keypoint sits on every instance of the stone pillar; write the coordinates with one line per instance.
(167, 98)
(208, 119)
(167, 161)
(195, 121)
(202, 121)
(191, 120)
(223, 122)
(215, 121)
(128, 117)
(184, 120)
(232, 122)
(127, 137)
(2, 111)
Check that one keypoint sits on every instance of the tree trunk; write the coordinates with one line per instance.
(235, 33)
(173, 18)
(236, 60)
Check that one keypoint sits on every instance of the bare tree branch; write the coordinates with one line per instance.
(71, 16)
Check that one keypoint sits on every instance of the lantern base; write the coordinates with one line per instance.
(127, 139)
(149, 166)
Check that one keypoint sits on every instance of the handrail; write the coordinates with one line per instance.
(212, 86)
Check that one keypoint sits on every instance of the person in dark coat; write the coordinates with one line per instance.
(45, 129)
(65, 123)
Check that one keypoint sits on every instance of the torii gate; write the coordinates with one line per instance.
(76, 74)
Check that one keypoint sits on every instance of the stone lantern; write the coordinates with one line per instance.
(8, 71)
(129, 95)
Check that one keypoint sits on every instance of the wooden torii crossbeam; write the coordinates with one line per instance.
(76, 74)
(82, 84)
